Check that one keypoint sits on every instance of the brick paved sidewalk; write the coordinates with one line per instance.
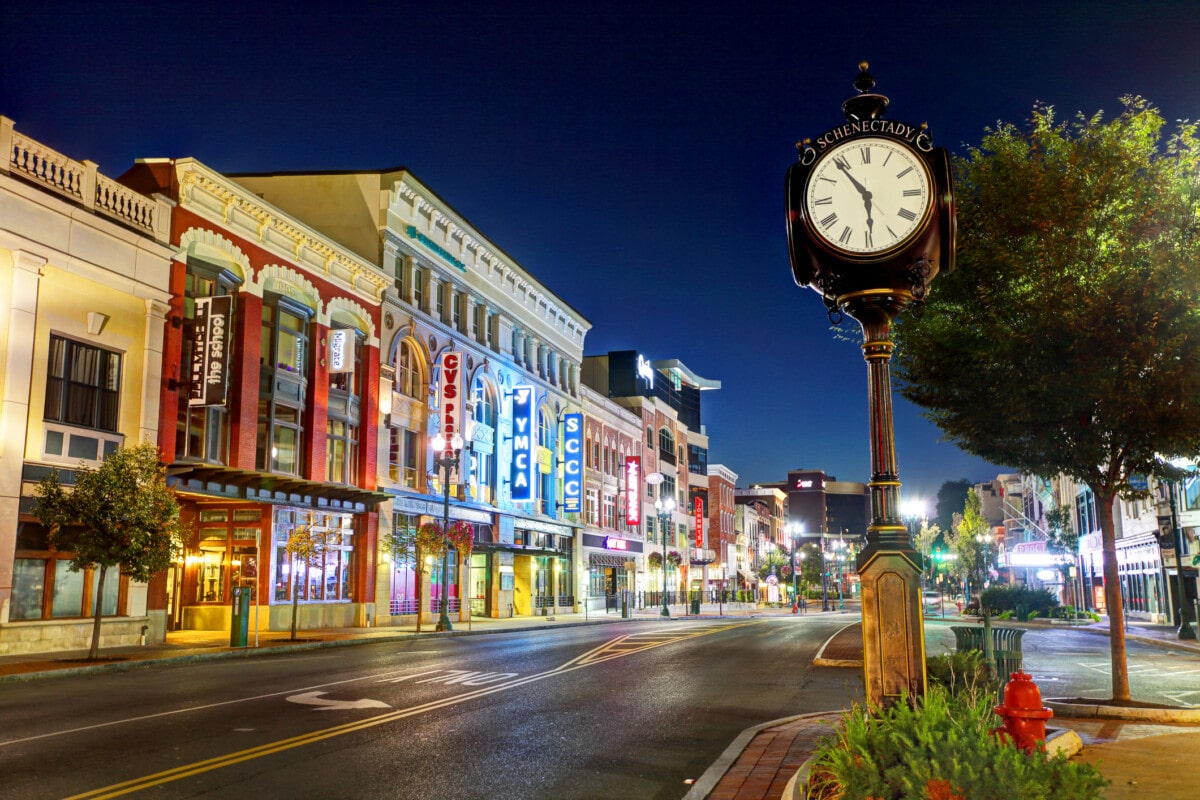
(772, 758)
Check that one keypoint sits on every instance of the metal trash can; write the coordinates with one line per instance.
(1007, 655)
(1006, 651)
(239, 628)
(967, 638)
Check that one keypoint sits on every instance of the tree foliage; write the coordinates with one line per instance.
(970, 552)
(950, 499)
(121, 514)
(1068, 339)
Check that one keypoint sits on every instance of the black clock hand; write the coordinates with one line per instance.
(840, 164)
(866, 195)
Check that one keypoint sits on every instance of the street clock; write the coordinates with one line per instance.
(870, 205)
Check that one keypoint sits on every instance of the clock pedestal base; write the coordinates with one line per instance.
(892, 626)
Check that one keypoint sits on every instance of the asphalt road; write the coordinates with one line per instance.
(628, 710)
(624, 710)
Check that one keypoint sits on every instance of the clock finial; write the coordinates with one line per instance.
(867, 104)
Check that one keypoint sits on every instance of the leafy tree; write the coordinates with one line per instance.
(121, 514)
(1062, 539)
(950, 499)
(305, 545)
(1068, 339)
(925, 540)
(970, 553)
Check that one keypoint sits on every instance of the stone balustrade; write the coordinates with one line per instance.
(81, 182)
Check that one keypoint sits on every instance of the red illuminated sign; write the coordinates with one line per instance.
(613, 543)
(633, 490)
(699, 510)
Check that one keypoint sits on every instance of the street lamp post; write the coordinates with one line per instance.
(795, 530)
(1185, 629)
(446, 461)
(665, 508)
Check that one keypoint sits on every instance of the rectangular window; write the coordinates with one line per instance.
(456, 310)
(418, 298)
(439, 291)
(82, 385)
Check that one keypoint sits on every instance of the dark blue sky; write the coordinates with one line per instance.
(629, 154)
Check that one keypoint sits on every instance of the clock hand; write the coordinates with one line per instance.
(840, 164)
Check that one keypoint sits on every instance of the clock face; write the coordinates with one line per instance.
(867, 196)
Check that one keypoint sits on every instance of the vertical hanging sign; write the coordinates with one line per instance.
(339, 354)
(450, 403)
(210, 348)
(633, 490)
(521, 469)
(572, 463)
(699, 511)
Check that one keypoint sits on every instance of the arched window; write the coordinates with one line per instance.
(483, 457)
(666, 441)
(546, 497)
(410, 371)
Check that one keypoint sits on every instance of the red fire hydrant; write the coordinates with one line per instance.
(1024, 715)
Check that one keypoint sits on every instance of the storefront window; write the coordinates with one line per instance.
(326, 576)
(44, 587)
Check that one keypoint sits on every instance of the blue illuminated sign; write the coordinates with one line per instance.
(521, 469)
(572, 463)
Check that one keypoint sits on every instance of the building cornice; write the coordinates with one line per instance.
(214, 197)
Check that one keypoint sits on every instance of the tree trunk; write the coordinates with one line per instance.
(94, 652)
(295, 601)
(420, 585)
(1112, 597)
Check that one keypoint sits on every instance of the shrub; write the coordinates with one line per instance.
(940, 747)
(961, 671)
(1018, 599)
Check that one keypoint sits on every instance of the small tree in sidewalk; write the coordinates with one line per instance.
(305, 544)
(121, 514)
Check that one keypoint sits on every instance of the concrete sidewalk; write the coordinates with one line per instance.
(1140, 759)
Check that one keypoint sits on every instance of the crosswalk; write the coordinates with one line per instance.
(645, 640)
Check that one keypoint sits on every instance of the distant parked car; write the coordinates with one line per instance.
(931, 602)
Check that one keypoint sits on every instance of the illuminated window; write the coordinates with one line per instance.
(83, 385)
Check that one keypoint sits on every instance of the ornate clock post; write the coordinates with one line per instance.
(870, 223)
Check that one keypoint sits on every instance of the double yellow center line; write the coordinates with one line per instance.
(617, 648)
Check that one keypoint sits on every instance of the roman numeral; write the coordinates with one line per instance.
(822, 201)
(845, 237)
(904, 172)
(867, 237)
(866, 155)
(912, 192)
(831, 180)
(908, 215)
(828, 221)
(889, 158)
(892, 232)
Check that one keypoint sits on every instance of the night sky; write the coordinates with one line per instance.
(630, 155)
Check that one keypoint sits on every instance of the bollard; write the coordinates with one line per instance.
(1024, 715)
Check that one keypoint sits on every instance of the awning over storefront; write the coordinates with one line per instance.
(266, 487)
(608, 560)
(747, 577)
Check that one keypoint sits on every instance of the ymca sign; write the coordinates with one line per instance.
(521, 468)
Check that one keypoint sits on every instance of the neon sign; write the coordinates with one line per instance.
(572, 463)
(645, 371)
(633, 490)
(523, 464)
(613, 543)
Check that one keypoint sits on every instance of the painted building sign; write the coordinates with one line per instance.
(339, 353)
(523, 463)
(210, 351)
(633, 490)
(572, 463)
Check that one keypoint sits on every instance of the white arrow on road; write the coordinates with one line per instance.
(315, 699)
